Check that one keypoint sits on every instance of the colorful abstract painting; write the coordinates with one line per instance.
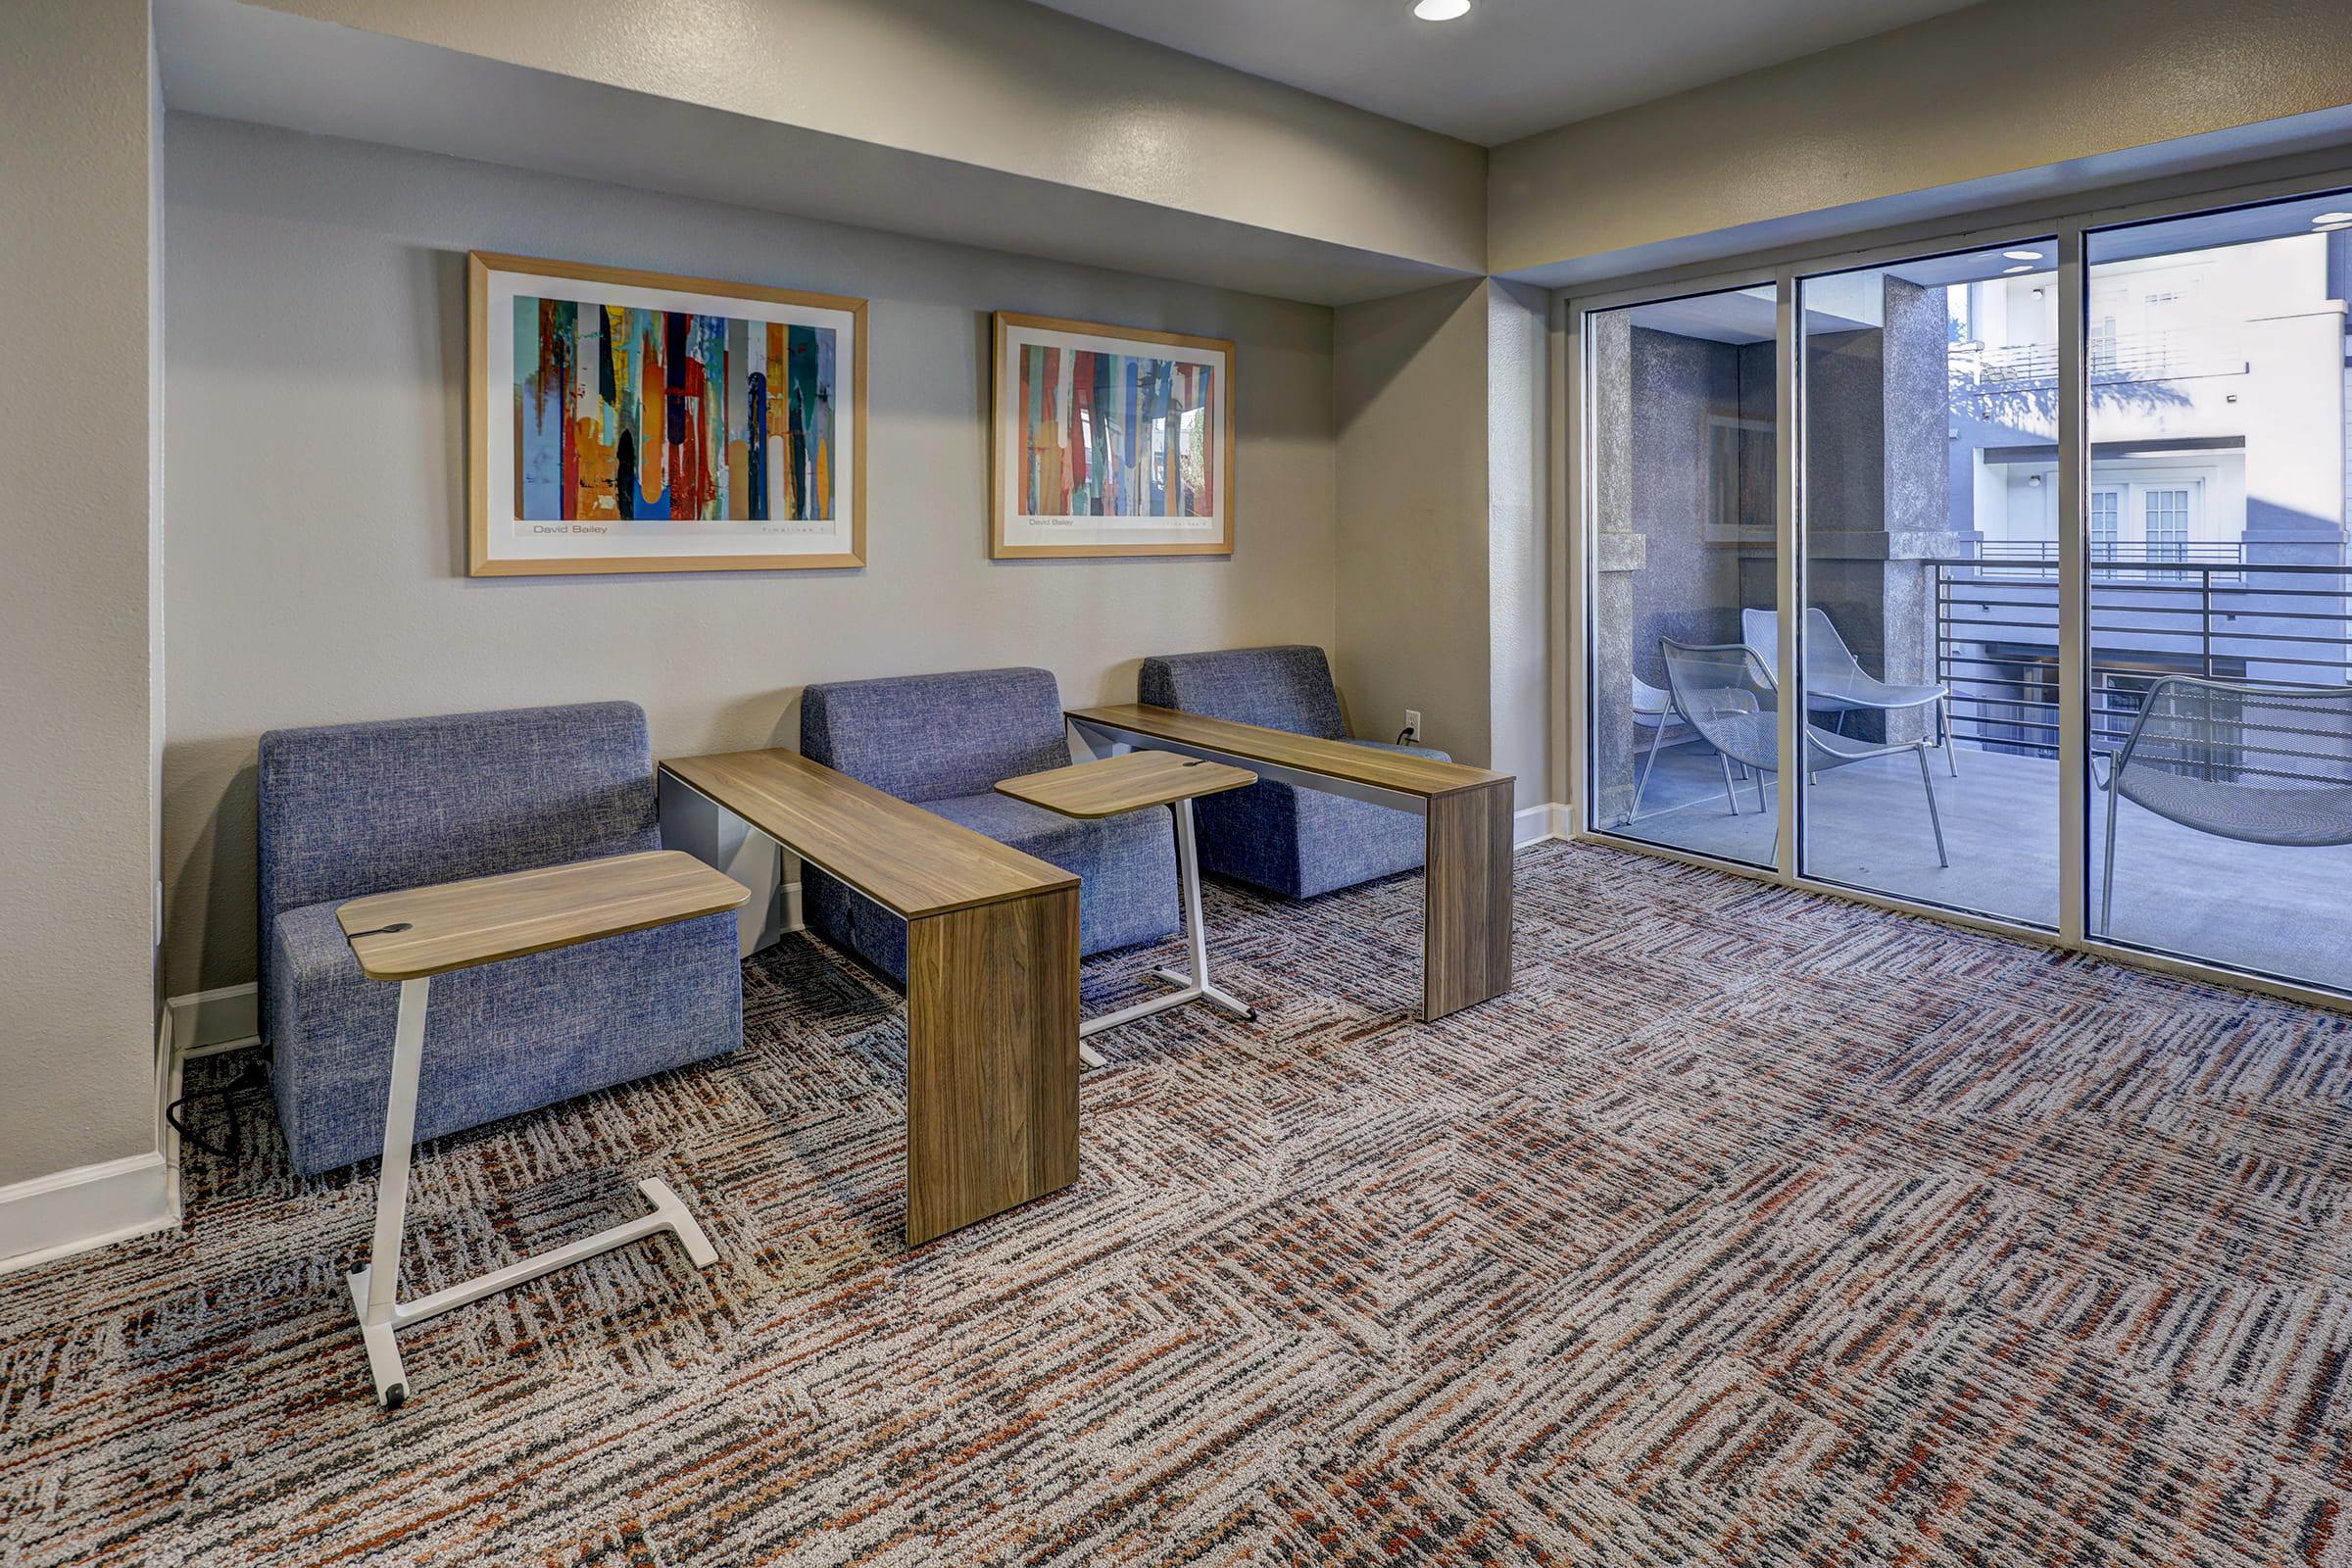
(1117, 435)
(623, 414)
(1110, 441)
(655, 419)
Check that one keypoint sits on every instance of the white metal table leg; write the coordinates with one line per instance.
(375, 1291)
(1192, 985)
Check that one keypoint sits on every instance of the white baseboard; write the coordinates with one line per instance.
(71, 1211)
(1533, 824)
(207, 1021)
(77, 1210)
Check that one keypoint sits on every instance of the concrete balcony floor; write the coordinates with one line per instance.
(2177, 890)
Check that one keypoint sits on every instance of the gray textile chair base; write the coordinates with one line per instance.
(352, 809)
(942, 742)
(1296, 843)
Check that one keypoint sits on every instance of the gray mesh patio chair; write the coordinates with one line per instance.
(1836, 681)
(1702, 679)
(1653, 711)
(2259, 765)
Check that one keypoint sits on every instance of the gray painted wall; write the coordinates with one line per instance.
(1410, 377)
(999, 84)
(2044, 93)
(315, 371)
(76, 839)
(1443, 494)
(1518, 538)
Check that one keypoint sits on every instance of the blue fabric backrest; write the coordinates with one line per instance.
(936, 737)
(1282, 688)
(348, 809)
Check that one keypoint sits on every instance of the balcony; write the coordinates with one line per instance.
(2191, 610)
(1995, 646)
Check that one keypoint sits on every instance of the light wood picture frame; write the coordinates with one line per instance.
(1109, 441)
(752, 461)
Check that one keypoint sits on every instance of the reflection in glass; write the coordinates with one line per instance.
(2220, 604)
(1929, 530)
(1681, 409)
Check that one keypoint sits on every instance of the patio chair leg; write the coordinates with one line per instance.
(1643, 782)
(1951, 752)
(1760, 791)
(1730, 795)
(1935, 817)
(2107, 870)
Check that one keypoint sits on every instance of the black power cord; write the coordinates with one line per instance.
(1405, 736)
(253, 1076)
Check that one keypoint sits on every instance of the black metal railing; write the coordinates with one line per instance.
(2159, 560)
(1997, 638)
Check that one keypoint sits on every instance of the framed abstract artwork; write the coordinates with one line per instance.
(1109, 441)
(635, 422)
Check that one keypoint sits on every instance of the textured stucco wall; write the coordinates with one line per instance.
(1688, 588)
(76, 1007)
(316, 378)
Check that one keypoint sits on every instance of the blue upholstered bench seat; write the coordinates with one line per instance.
(1288, 839)
(498, 1040)
(942, 742)
(349, 810)
(1125, 865)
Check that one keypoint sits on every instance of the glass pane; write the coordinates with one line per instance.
(2219, 618)
(1929, 526)
(1681, 411)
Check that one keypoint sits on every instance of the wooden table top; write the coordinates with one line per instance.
(1125, 783)
(457, 925)
(910, 861)
(1306, 753)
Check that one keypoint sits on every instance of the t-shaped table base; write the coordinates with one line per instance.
(376, 1295)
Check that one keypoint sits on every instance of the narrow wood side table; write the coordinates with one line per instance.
(409, 937)
(1130, 782)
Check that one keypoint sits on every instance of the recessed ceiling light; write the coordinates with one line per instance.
(2012, 271)
(2023, 255)
(1441, 10)
(2333, 218)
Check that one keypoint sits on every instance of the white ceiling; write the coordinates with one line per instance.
(1510, 68)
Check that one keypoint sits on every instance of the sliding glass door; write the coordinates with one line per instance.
(2021, 560)
(2218, 689)
(1929, 526)
(1681, 398)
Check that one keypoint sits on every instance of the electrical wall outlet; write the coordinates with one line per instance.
(1412, 720)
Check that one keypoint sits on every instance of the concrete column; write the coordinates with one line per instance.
(1877, 486)
(1618, 554)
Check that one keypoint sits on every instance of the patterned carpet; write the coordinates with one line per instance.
(1753, 1228)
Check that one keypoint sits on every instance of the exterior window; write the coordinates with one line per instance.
(2104, 513)
(2168, 524)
